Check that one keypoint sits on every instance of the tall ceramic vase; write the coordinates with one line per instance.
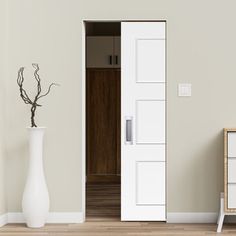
(35, 203)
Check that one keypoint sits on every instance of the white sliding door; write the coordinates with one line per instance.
(143, 163)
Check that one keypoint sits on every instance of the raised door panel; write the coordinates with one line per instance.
(147, 173)
(150, 122)
(99, 51)
(150, 60)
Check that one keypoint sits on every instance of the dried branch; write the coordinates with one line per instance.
(36, 76)
(34, 103)
(20, 80)
(49, 89)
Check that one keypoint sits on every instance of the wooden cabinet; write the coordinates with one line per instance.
(103, 51)
(103, 125)
(230, 169)
(103, 109)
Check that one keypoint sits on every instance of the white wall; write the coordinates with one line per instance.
(3, 15)
(201, 50)
(47, 33)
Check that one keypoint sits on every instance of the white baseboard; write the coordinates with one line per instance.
(3, 220)
(192, 217)
(53, 217)
(15, 217)
(77, 217)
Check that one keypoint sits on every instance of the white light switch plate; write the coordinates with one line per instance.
(185, 90)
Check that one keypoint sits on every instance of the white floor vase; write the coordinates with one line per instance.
(35, 203)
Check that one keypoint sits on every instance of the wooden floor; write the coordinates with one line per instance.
(103, 219)
(116, 228)
(102, 202)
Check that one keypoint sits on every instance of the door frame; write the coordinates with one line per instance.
(83, 105)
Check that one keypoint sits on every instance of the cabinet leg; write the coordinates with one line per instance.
(220, 223)
(218, 219)
(221, 216)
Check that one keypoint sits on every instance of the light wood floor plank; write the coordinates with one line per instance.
(116, 228)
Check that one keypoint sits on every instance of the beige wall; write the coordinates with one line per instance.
(3, 22)
(201, 50)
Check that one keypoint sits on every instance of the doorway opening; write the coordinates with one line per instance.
(103, 112)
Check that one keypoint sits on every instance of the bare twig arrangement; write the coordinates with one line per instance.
(33, 102)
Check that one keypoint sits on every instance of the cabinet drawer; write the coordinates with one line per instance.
(231, 196)
(232, 170)
(231, 144)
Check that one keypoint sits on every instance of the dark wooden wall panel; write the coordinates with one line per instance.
(103, 125)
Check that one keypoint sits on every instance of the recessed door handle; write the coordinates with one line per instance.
(129, 130)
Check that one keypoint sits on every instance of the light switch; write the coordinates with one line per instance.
(185, 90)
